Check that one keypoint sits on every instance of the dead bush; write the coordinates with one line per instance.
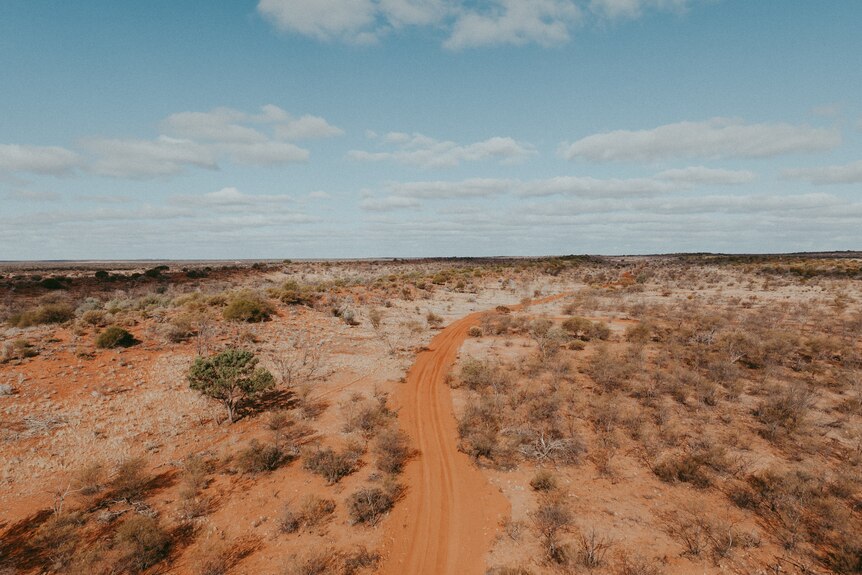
(393, 450)
(784, 409)
(627, 564)
(552, 518)
(90, 479)
(509, 571)
(314, 562)
(477, 375)
(479, 430)
(586, 330)
(366, 416)
(258, 457)
(592, 549)
(143, 542)
(684, 467)
(543, 481)
(130, 479)
(368, 505)
(613, 371)
(333, 466)
(58, 538)
(358, 559)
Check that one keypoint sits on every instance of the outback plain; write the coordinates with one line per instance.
(509, 416)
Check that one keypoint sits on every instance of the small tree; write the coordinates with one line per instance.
(229, 377)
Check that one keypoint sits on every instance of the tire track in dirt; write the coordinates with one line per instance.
(450, 515)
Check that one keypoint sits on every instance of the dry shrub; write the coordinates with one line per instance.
(44, 314)
(552, 519)
(58, 538)
(131, 479)
(479, 429)
(217, 556)
(259, 457)
(312, 512)
(681, 467)
(316, 510)
(627, 564)
(641, 332)
(90, 479)
(370, 504)
(314, 562)
(613, 371)
(393, 450)
(95, 317)
(142, 541)
(333, 466)
(433, 320)
(310, 407)
(366, 416)
(586, 330)
(114, 337)
(358, 559)
(543, 481)
(195, 472)
(784, 409)
(592, 549)
(509, 571)
(178, 329)
(477, 375)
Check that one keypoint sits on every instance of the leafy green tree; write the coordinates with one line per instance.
(229, 377)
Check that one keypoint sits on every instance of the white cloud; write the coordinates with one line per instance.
(52, 160)
(321, 19)
(388, 203)
(702, 175)
(471, 188)
(413, 12)
(306, 128)
(219, 125)
(202, 139)
(319, 195)
(270, 153)
(467, 23)
(231, 196)
(420, 150)
(225, 125)
(545, 22)
(147, 158)
(715, 138)
(843, 174)
(594, 187)
(614, 9)
(31, 196)
(665, 182)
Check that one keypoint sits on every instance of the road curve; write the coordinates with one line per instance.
(450, 515)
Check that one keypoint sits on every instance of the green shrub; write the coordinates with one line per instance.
(248, 307)
(291, 293)
(230, 377)
(113, 337)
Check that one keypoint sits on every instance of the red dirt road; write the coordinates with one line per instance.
(450, 515)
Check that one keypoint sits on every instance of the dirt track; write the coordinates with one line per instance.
(451, 513)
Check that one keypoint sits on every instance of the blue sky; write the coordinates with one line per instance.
(362, 128)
